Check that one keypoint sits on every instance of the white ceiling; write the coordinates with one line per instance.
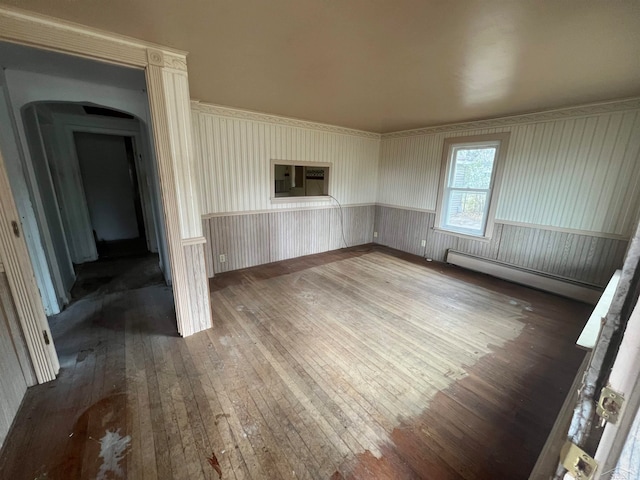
(386, 65)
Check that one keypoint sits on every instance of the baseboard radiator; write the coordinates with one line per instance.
(560, 286)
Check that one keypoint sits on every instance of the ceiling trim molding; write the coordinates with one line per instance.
(29, 28)
(557, 114)
(219, 110)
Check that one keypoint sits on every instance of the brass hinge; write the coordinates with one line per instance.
(578, 463)
(609, 405)
(46, 337)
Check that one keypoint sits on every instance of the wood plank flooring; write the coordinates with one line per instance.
(357, 364)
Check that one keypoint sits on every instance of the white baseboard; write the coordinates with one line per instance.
(529, 278)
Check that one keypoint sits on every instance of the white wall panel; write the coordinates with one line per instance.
(410, 168)
(234, 154)
(578, 173)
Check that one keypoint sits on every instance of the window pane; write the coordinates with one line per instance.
(472, 167)
(466, 210)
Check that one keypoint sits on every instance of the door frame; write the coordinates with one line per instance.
(169, 102)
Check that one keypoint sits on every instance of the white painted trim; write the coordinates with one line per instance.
(289, 209)
(400, 207)
(501, 142)
(222, 111)
(193, 241)
(23, 26)
(301, 199)
(476, 238)
(624, 379)
(301, 163)
(529, 278)
(535, 117)
(573, 231)
(591, 330)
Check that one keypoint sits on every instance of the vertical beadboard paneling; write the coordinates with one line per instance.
(357, 223)
(401, 229)
(410, 168)
(439, 242)
(583, 258)
(234, 155)
(12, 380)
(300, 232)
(256, 239)
(580, 173)
(196, 273)
(244, 239)
(579, 257)
(184, 161)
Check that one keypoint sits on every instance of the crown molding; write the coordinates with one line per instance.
(41, 31)
(557, 114)
(219, 110)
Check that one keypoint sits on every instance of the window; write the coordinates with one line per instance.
(299, 179)
(469, 180)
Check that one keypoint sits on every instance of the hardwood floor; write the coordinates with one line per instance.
(358, 364)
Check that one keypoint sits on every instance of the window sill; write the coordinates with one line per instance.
(319, 198)
(467, 236)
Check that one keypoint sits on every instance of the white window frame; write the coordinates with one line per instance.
(298, 163)
(498, 140)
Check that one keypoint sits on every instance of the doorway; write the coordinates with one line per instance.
(164, 75)
(110, 182)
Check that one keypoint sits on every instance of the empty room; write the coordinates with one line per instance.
(319, 239)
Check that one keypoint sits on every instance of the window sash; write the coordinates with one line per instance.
(446, 213)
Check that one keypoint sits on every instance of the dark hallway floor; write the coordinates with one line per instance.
(112, 275)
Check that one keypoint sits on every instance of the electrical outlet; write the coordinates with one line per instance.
(375, 234)
(423, 243)
(223, 257)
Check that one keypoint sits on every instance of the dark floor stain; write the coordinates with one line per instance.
(488, 434)
(82, 355)
(112, 275)
(213, 461)
(83, 446)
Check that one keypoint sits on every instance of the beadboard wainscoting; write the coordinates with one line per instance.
(253, 239)
(581, 257)
(15, 368)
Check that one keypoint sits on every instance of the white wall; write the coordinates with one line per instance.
(13, 155)
(49, 219)
(233, 160)
(581, 172)
(23, 88)
(108, 185)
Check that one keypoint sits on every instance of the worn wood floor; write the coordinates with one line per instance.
(359, 364)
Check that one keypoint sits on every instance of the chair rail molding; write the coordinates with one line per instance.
(168, 93)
